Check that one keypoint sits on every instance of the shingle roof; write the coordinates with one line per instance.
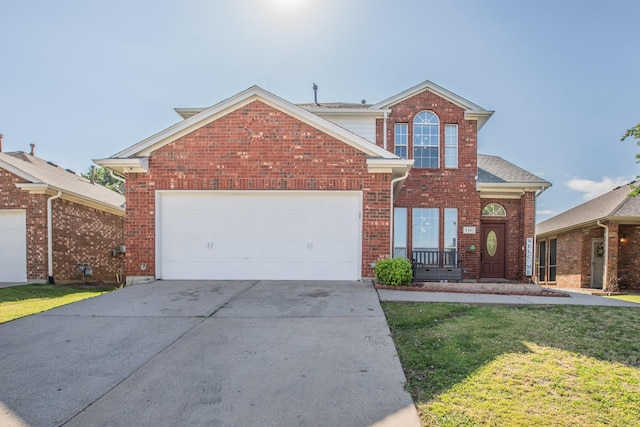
(38, 171)
(614, 204)
(496, 170)
(334, 105)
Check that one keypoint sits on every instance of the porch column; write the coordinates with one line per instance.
(612, 256)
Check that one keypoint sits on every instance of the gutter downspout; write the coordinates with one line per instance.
(50, 235)
(605, 271)
(117, 178)
(393, 181)
(384, 132)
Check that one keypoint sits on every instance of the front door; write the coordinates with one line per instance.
(492, 252)
(597, 263)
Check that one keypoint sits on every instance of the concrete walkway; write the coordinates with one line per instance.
(575, 298)
(207, 354)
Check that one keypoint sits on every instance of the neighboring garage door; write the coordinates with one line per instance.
(13, 246)
(314, 235)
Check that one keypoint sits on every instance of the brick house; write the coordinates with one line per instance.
(593, 244)
(52, 221)
(256, 187)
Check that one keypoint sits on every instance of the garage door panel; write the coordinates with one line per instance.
(259, 235)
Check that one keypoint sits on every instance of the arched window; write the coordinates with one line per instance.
(494, 209)
(426, 140)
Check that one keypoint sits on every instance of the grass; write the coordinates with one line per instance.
(20, 301)
(632, 298)
(520, 366)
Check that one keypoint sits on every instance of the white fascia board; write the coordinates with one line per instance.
(18, 172)
(396, 167)
(41, 188)
(185, 113)
(438, 90)
(482, 116)
(125, 165)
(146, 147)
(508, 190)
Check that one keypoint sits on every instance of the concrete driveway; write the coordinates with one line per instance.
(175, 353)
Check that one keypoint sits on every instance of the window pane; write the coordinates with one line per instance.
(425, 229)
(426, 140)
(552, 260)
(451, 146)
(400, 138)
(400, 232)
(451, 228)
(425, 157)
(542, 257)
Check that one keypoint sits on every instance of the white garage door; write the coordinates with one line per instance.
(259, 235)
(13, 246)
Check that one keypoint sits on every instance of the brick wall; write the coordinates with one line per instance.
(456, 188)
(83, 234)
(574, 257)
(35, 206)
(80, 233)
(519, 225)
(442, 187)
(629, 256)
(255, 147)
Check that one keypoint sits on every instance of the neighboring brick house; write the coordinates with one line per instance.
(255, 187)
(52, 221)
(592, 245)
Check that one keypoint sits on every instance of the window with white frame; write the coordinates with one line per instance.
(450, 146)
(426, 229)
(494, 209)
(400, 138)
(450, 236)
(426, 140)
(400, 232)
(450, 229)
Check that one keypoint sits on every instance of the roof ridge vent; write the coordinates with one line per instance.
(70, 171)
(49, 162)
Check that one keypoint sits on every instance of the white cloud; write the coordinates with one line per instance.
(593, 189)
(545, 212)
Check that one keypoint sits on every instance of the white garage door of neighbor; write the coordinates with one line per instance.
(13, 246)
(259, 235)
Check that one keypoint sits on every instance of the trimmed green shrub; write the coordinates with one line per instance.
(393, 272)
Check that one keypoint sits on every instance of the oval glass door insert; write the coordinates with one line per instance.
(492, 243)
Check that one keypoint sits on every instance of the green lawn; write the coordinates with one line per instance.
(20, 301)
(632, 298)
(520, 366)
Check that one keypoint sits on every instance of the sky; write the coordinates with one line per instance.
(85, 79)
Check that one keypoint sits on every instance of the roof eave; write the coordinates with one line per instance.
(146, 147)
(481, 116)
(125, 165)
(396, 167)
(509, 189)
(50, 190)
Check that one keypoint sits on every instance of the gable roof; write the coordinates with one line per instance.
(46, 177)
(614, 205)
(471, 111)
(133, 159)
(497, 176)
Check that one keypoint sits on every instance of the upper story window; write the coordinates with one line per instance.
(426, 140)
(400, 138)
(494, 209)
(450, 146)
